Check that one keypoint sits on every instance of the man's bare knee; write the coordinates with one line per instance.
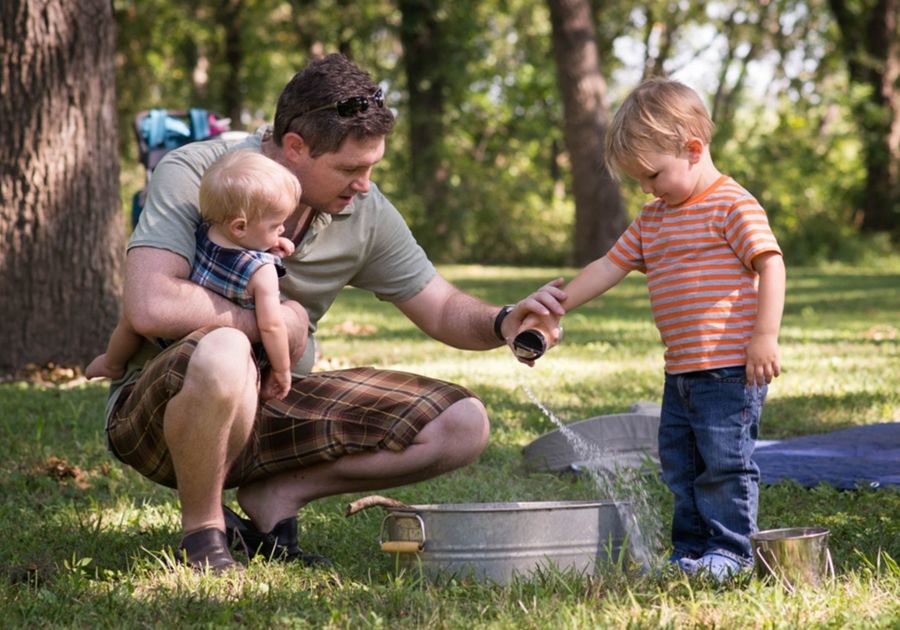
(220, 384)
(221, 364)
(465, 430)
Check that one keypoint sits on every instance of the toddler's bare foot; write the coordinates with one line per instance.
(99, 369)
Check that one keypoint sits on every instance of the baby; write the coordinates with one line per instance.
(245, 199)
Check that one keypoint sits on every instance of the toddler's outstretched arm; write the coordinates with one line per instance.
(595, 279)
(592, 281)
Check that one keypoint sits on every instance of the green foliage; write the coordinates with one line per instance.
(803, 165)
(504, 142)
(799, 145)
(87, 542)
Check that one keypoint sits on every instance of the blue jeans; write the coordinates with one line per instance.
(707, 433)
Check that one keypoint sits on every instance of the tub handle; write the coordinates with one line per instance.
(829, 564)
(401, 546)
(783, 580)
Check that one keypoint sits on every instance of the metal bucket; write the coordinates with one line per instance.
(793, 555)
(496, 541)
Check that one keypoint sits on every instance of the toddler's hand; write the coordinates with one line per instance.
(763, 359)
(276, 385)
(284, 248)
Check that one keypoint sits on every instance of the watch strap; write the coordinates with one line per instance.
(498, 320)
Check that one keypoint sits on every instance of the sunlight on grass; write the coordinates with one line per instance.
(87, 542)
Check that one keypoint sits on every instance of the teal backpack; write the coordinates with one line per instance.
(159, 130)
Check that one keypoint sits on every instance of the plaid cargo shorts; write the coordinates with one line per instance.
(325, 415)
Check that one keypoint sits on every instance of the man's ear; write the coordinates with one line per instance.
(294, 146)
(694, 150)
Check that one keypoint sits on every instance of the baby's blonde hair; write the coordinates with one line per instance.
(659, 116)
(246, 184)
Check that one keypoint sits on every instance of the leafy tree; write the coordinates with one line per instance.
(425, 41)
(870, 39)
(480, 162)
(508, 169)
(599, 214)
(60, 220)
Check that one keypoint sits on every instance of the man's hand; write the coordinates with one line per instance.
(99, 368)
(547, 326)
(541, 310)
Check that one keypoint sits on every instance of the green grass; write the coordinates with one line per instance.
(85, 540)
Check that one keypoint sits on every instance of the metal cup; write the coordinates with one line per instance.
(530, 344)
(793, 555)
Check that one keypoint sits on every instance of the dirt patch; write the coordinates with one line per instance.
(352, 329)
(62, 471)
(49, 375)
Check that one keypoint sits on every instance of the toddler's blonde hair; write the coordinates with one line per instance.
(659, 116)
(246, 184)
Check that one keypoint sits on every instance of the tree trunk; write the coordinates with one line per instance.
(61, 228)
(421, 37)
(231, 17)
(870, 40)
(599, 214)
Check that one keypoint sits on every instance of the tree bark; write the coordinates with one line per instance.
(870, 40)
(421, 37)
(599, 213)
(231, 17)
(61, 228)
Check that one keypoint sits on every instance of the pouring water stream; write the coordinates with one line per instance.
(641, 515)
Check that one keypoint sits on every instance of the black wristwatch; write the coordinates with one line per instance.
(498, 320)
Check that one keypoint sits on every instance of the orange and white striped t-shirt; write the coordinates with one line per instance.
(697, 257)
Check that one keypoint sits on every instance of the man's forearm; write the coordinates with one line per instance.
(161, 302)
(447, 314)
(463, 321)
(469, 323)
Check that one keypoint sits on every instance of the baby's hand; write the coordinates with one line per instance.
(98, 368)
(284, 248)
(763, 359)
(276, 385)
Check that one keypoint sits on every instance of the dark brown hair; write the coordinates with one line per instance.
(324, 81)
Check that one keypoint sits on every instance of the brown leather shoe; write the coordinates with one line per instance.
(207, 548)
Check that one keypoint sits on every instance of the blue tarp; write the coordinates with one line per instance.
(867, 456)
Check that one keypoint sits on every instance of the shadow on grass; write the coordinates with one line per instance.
(42, 540)
(788, 416)
(71, 499)
(862, 523)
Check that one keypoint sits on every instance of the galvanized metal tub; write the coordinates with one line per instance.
(497, 541)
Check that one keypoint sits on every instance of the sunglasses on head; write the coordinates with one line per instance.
(352, 105)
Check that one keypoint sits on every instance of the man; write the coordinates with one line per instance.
(190, 417)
